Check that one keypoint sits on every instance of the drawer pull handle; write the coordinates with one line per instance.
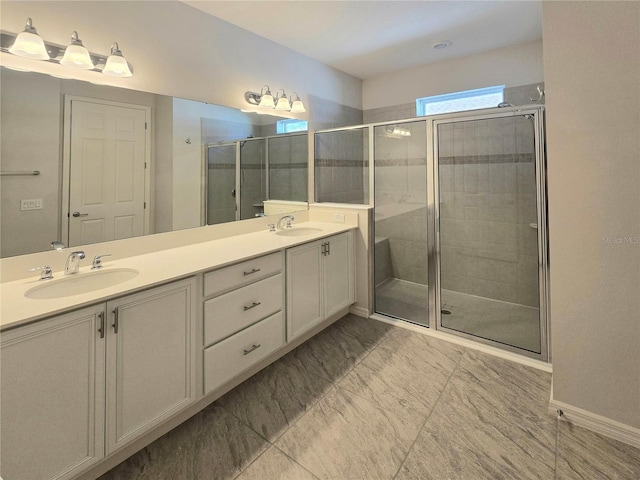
(253, 305)
(249, 350)
(252, 271)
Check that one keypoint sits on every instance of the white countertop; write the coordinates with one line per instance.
(155, 268)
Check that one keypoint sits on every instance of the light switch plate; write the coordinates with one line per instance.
(338, 217)
(31, 204)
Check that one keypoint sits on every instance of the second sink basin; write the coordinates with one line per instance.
(80, 283)
(298, 231)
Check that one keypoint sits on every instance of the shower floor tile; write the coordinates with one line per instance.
(508, 323)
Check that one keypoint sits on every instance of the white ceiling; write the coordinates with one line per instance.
(368, 38)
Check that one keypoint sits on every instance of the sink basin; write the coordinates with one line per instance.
(298, 231)
(80, 283)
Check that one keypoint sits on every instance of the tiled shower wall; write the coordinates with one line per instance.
(288, 168)
(401, 199)
(341, 166)
(341, 158)
(488, 209)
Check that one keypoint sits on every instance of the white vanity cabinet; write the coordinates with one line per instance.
(150, 359)
(243, 319)
(320, 281)
(52, 396)
(77, 386)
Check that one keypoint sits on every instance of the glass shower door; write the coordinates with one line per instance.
(221, 183)
(252, 181)
(488, 242)
(401, 219)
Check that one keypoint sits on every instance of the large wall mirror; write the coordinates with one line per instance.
(113, 163)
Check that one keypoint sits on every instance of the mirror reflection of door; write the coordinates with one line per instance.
(106, 172)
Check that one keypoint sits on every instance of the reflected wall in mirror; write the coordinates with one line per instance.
(246, 178)
(36, 136)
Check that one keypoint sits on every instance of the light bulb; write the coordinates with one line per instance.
(76, 55)
(29, 44)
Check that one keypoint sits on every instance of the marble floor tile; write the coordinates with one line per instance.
(349, 438)
(213, 444)
(274, 398)
(489, 423)
(332, 353)
(406, 373)
(275, 465)
(585, 455)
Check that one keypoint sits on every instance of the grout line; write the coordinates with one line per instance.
(430, 413)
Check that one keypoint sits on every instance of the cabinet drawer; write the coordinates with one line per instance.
(228, 358)
(233, 311)
(234, 276)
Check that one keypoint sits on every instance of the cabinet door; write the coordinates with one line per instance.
(52, 396)
(338, 274)
(150, 359)
(304, 293)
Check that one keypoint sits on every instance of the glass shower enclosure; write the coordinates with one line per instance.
(242, 174)
(459, 220)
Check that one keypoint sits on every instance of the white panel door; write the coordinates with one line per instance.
(107, 172)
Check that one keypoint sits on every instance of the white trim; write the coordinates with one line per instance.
(596, 423)
(359, 311)
(496, 352)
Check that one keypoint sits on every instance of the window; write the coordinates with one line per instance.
(459, 101)
(292, 125)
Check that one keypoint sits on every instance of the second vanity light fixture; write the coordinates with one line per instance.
(29, 44)
(281, 102)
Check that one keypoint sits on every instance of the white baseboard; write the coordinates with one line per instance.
(359, 311)
(596, 423)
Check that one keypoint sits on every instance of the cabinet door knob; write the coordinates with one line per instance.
(247, 351)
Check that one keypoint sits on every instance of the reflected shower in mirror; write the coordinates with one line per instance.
(126, 147)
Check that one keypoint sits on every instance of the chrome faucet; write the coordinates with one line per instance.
(73, 262)
(57, 245)
(288, 219)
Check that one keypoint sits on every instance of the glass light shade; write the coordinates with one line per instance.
(77, 56)
(267, 101)
(29, 45)
(117, 66)
(283, 104)
(297, 106)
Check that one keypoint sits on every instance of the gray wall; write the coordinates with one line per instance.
(592, 73)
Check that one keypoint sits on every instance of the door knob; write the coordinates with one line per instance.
(78, 214)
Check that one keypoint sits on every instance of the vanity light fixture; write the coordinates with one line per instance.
(266, 99)
(281, 102)
(76, 55)
(296, 105)
(116, 65)
(29, 44)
